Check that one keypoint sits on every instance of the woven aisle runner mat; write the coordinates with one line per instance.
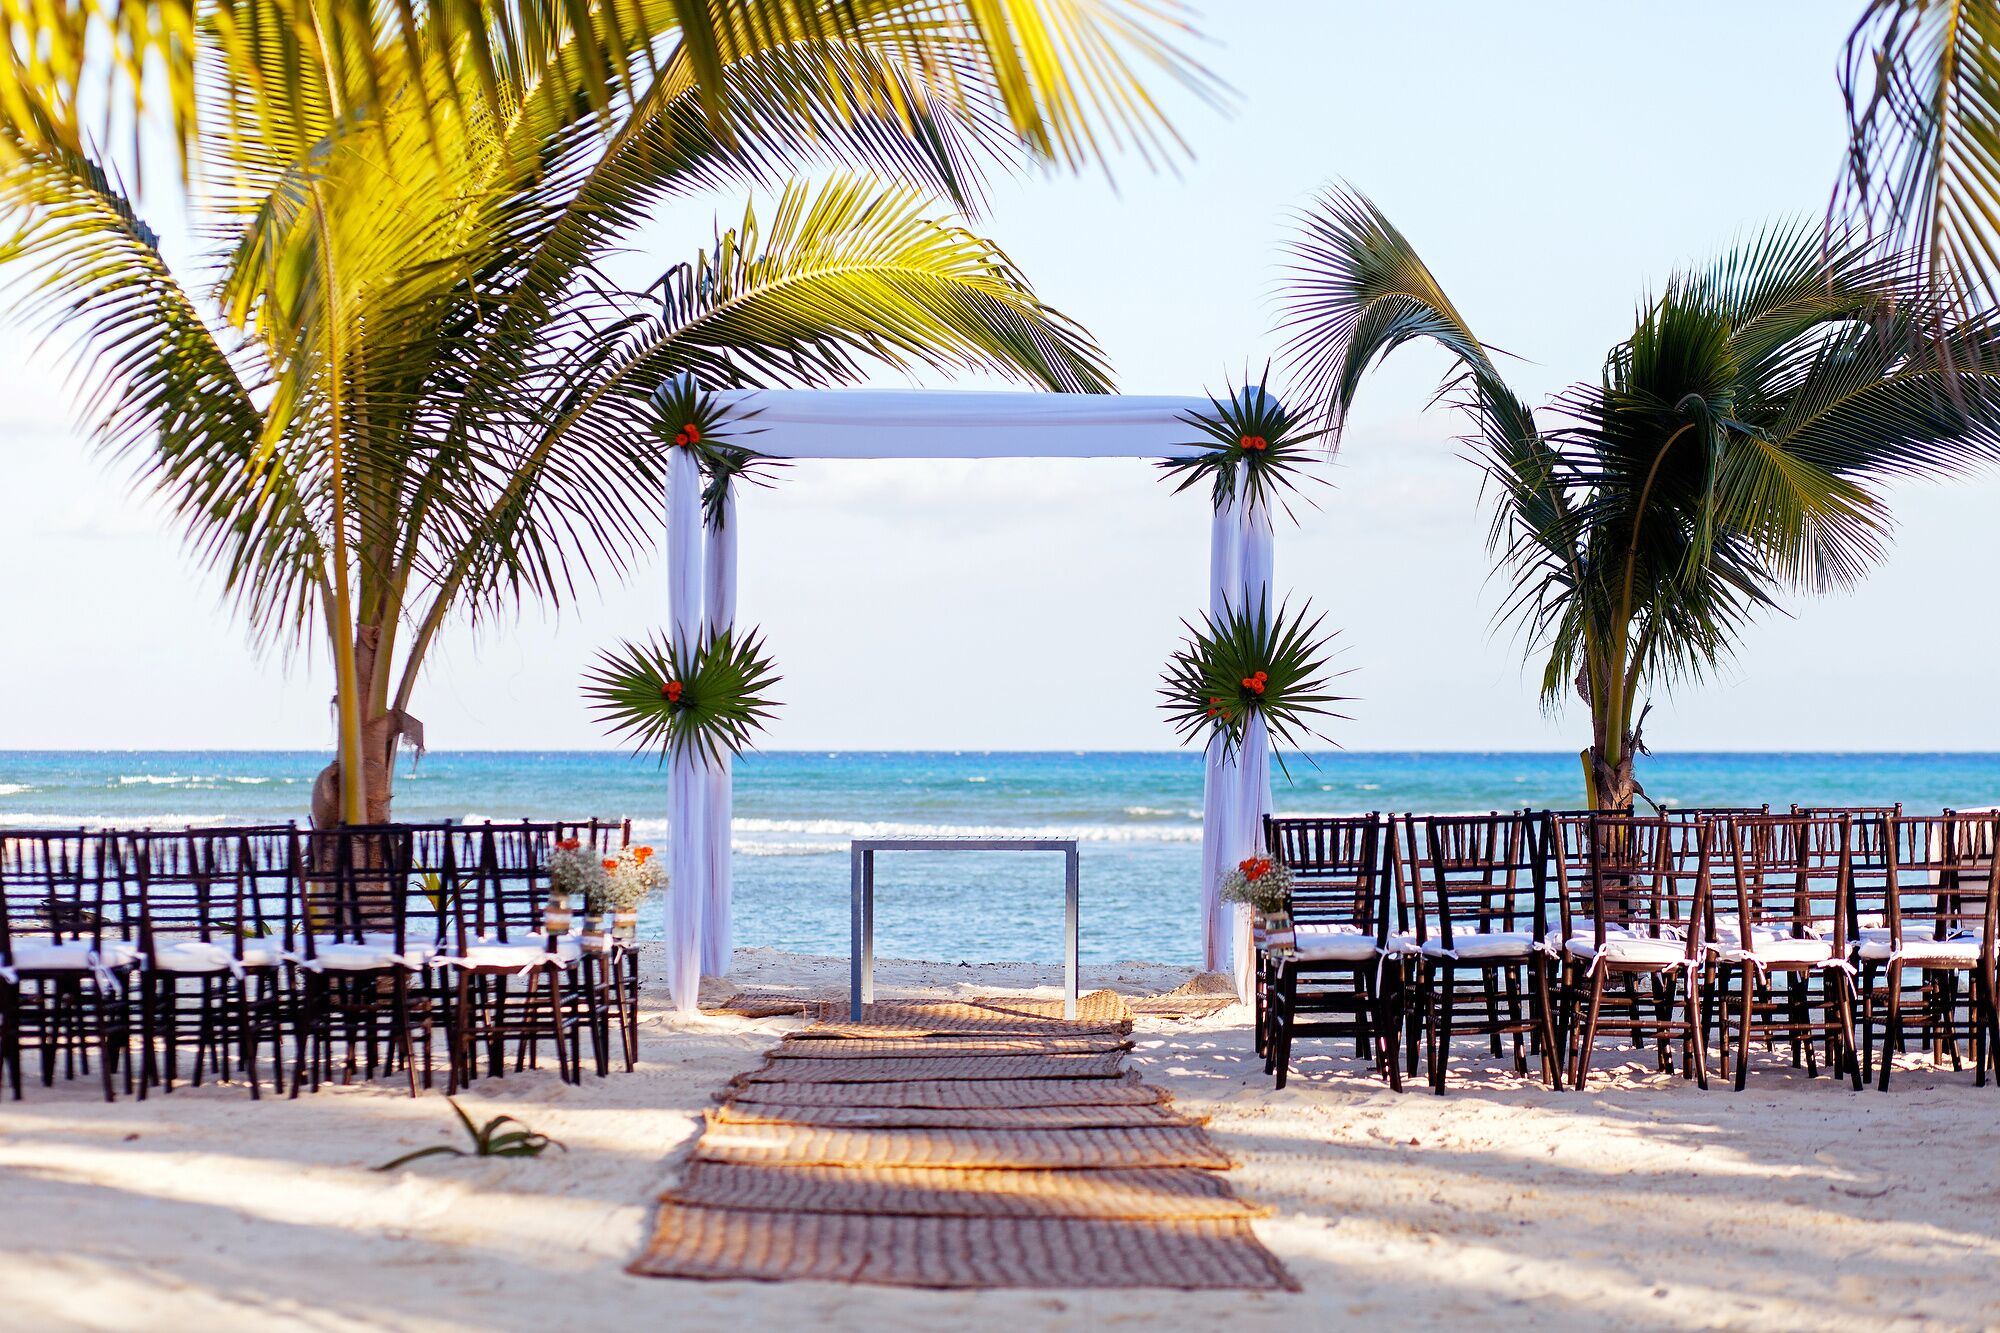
(1200, 998)
(815, 1145)
(897, 1251)
(959, 1144)
(1136, 1116)
(997, 1093)
(810, 1046)
(942, 1192)
(898, 1069)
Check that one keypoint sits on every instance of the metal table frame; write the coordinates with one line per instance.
(861, 903)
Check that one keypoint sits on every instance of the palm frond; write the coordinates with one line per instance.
(1247, 662)
(1250, 433)
(710, 700)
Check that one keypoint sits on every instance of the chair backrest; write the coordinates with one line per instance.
(1789, 875)
(1644, 878)
(261, 865)
(1696, 812)
(63, 885)
(507, 885)
(1937, 883)
(357, 883)
(1337, 869)
(1486, 875)
(180, 897)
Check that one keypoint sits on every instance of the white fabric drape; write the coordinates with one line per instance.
(934, 423)
(685, 779)
(1253, 791)
(719, 600)
(1218, 919)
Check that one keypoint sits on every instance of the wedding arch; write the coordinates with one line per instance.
(952, 424)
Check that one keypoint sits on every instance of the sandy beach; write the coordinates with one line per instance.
(1643, 1203)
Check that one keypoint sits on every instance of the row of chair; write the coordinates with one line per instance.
(351, 948)
(1806, 931)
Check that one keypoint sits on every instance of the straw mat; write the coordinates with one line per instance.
(933, 1117)
(897, 1069)
(959, 1251)
(933, 1192)
(998, 1093)
(809, 1047)
(818, 1145)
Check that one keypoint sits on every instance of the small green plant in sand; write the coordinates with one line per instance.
(493, 1139)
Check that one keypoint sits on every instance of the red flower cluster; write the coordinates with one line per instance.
(689, 434)
(569, 844)
(1255, 868)
(610, 865)
(642, 854)
(1255, 684)
(1254, 443)
(1214, 706)
(671, 691)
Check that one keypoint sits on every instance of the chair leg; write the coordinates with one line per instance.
(1892, 1027)
(1442, 1002)
(1587, 1048)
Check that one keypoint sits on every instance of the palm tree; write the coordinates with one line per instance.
(1730, 453)
(406, 391)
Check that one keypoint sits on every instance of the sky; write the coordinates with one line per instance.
(1552, 162)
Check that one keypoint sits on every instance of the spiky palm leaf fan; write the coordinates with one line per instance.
(1253, 428)
(689, 417)
(1247, 663)
(711, 700)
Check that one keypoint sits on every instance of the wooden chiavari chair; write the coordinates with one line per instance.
(1779, 887)
(510, 976)
(69, 921)
(1339, 977)
(1938, 912)
(1631, 915)
(371, 930)
(1484, 911)
(210, 923)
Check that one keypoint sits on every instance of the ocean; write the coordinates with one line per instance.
(1137, 816)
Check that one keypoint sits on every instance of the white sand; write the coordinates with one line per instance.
(1643, 1203)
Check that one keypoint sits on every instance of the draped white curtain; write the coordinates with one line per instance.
(720, 601)
(1238, 791)
(686, 782)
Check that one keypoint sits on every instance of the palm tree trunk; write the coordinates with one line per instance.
(379, 735)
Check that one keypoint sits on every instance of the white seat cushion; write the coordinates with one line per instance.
(1327, 943)
(1780, 949)
(72, 955)
(215, 955)
(514, 953)
(1961, 952)
(1624, 948)
(1491, 944)
(367, 954)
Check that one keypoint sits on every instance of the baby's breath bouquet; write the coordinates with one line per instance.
(1261, 882)
(575, 872)
(634, 875)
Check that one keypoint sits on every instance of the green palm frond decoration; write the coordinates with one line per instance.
(493, 1139)
(1253, 428)
(1247, 663)
(691, 418)
(714, 699)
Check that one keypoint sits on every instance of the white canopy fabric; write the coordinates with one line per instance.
(882, 423)
(950, 423)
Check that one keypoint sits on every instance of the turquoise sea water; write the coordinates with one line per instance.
(1138, 816)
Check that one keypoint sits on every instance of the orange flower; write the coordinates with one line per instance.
(1254, 443)
(1255, 868)
(642, 854)
(610, 865)
(693, 433)
(672, 691)
(682, 440)
(569, 844)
